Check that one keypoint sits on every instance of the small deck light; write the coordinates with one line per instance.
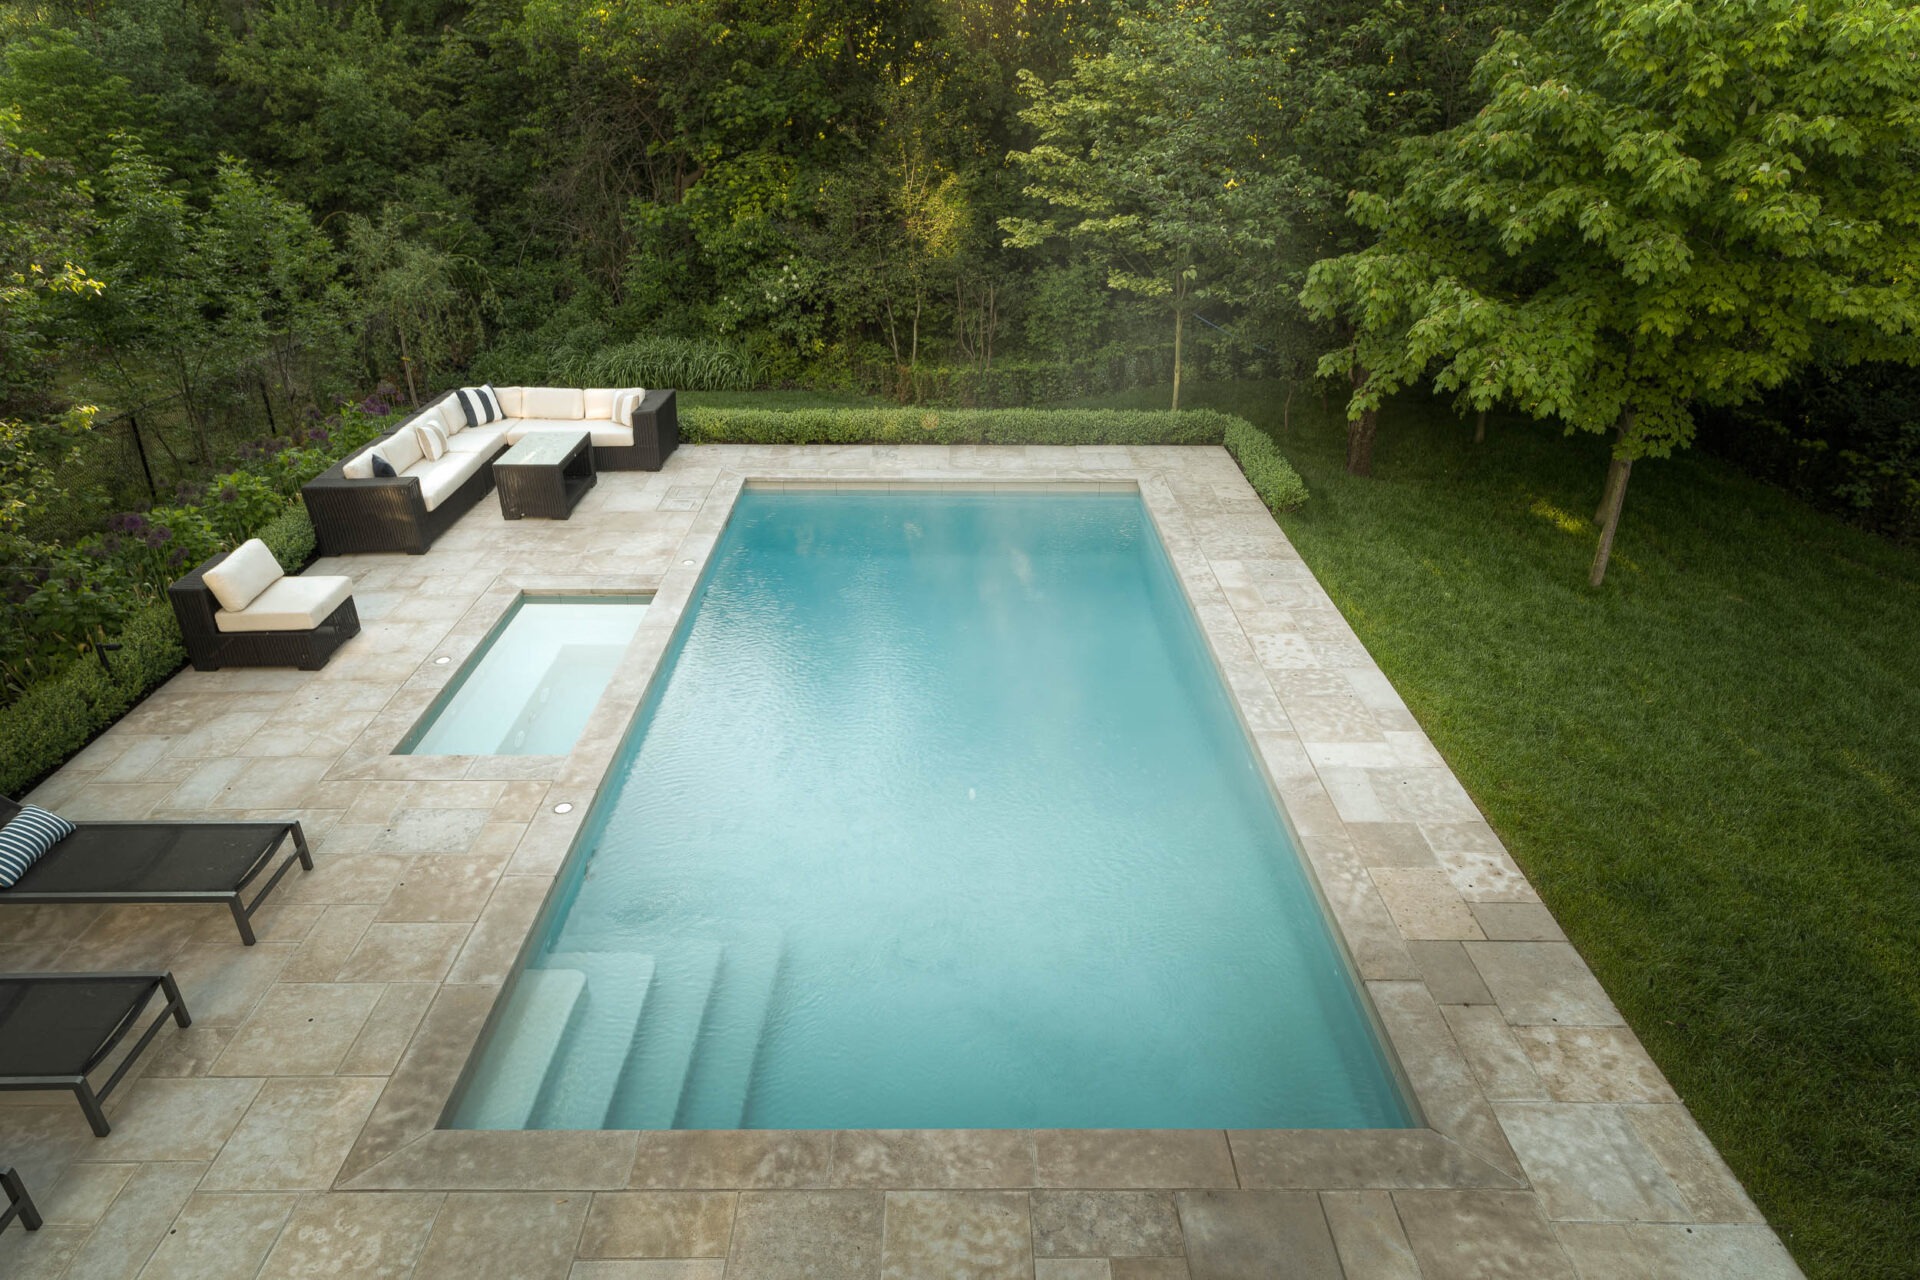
(565, 806)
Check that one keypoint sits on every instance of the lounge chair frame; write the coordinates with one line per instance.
(235, 898)
(90, 1097)
(19, 1203)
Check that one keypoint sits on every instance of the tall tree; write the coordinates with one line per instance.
(1663, 203)
(1156, 156)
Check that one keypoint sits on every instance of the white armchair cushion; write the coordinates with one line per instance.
(566, 403)
(246, 573)
(291, 604)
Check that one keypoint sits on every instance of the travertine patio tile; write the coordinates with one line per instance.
(1454, 1104)
(221, 983)
(1424, 904)
(1602, 1251)
(1085, 1224)
(299, 1029)
(45, 1254)
(344, 879)
(179, 1120)
(1072, 1269)
(1495, 1057)
(1448, 973)
(423, 830)
(1368, 1236)
(404, 953)
(507, 1160)
(1132, 1158)
(388, 1029)
(488, 953)
(938, 1158)
(1391, 844)
(133, 1228)
(659, 1224)
(503, 1236)
(1518, 922)
(295, 1135)
(411, 1103)
(1702, 1177)
(1480, 1235)
(219, 1237)
(1679, 1252)
(649, 1269)
(328, 944)
(1323, 1159)
(367, 1237)
(440, 887)
(782, 1234)
(1148, 1268)
(962, 1235)
(1234, 1234)
(740, 1158)
(189, 1051)
(133, 938)
(1594, 1064)
(1542, 983)
(1588, 1164)
(83, 1194)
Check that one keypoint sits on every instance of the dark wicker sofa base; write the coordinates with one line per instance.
(210, 648)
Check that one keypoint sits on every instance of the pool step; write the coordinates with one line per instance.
(721, 1075)
(685, 970)
(581, 1085)
(525, 1046)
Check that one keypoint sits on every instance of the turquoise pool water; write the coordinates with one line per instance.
(939, 818)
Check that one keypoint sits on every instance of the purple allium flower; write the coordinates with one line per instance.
(157, 535)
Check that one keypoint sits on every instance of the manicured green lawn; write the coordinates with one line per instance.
(1710, 768)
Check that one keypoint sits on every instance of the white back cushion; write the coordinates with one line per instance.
(448, 412)
(511, 400)
(359, 466)
(553, 402)
(247, 571)
(402, 449)
(599, 401)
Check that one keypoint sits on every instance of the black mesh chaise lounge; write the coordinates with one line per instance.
(55, 1028)
(19, 1203)
(162, 862)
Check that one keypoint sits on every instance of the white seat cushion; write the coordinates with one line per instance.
(553, 402)
(248, 570)
(479, 439)
(439, 479)
(291, 604)
(604, 434)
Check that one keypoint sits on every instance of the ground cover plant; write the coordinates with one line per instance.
(1710, 768)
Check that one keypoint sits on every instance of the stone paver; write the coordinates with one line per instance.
(291, 1131)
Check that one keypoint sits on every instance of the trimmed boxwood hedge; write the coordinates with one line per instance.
(53, 719)
(1271, 476)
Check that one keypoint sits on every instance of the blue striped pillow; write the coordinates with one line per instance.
(30, 833)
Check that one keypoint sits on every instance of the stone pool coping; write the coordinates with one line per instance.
(1532, 1090)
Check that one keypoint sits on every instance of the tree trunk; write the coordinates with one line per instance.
(406, 363)
(1360, 431)
(1286, 411)
(1618, 471)
(1480, 428)
(1179, 320)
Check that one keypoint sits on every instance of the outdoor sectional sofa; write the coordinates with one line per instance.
(355, 510)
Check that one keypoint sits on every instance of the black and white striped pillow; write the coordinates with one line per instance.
(480, 405)
(27, 835)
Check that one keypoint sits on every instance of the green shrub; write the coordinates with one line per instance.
(290, 537)
(54, 718)
(1271, 475)
(690, 364)
(953, 426)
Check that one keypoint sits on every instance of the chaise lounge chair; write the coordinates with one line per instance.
(161, 862)
(19, 1203)
(55, 1028)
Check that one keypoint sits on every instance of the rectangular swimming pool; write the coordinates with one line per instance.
(530, 686)
(937, 816)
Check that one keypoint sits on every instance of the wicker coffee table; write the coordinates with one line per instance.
(546, 474)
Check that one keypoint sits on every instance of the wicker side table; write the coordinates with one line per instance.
(546, 474)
